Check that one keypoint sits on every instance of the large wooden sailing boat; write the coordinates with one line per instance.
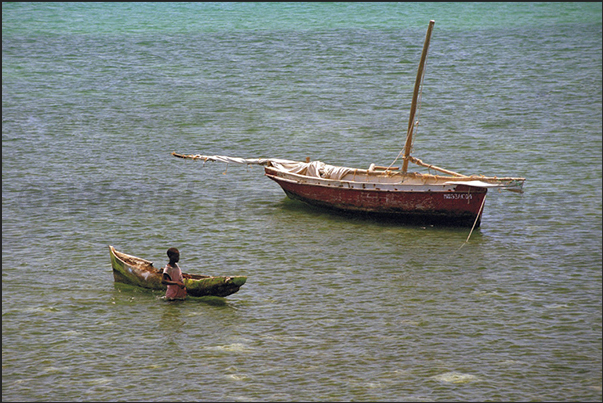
(449, 198)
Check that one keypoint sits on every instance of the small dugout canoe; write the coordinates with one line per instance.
(128, 269)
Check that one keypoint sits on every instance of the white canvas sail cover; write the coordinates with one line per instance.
(315, 169)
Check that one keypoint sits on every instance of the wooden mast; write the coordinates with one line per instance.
(413, 107)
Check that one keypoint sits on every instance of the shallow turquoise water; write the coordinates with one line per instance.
(95, 97)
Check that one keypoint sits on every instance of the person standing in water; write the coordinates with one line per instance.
(172, 277)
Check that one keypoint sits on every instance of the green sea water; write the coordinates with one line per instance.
(95, 97)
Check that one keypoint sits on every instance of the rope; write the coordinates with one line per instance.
(416, 123)
(474, 223)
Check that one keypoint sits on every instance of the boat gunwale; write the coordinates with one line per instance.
(189, 276)
(404, 176)
(374, 186)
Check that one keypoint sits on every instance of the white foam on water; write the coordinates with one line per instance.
(238, 378)
(455, 377)
(234, 347)
(99, 381)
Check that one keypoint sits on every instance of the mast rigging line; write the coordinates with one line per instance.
(415, 123)
(415, 97)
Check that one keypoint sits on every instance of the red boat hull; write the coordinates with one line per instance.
(458, 207)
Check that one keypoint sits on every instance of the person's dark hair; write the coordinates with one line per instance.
(173, 254)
